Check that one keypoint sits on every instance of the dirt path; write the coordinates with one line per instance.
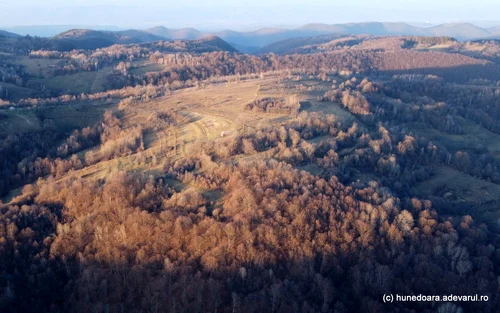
(26, 119)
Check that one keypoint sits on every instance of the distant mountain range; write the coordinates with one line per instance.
(461, 31)
(495, 30)
(93, 39)
(250, 42)
(369, 28)
(52, 30)
(183, 33)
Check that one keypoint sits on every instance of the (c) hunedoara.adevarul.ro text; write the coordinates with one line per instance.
(390, 298)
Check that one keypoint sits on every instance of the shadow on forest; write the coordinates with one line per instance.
(351, 281)
(310, 285)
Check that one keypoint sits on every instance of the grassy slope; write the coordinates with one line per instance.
(475, 135)
(17, 93)
(459, 186)
(219, 108)
(65, 118)
(81, 82)
(37, 67)
(19, 121)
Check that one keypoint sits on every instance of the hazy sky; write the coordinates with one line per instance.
(220, 14)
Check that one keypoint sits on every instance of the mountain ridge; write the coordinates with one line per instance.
(94, 39)
(460, 31)
(268, 35)
(6, 34)
(251, 41)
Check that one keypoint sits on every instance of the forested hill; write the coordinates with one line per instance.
(6, 34)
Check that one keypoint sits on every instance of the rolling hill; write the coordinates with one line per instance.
(336, 42)
(183, 33)
(6, 34)
(93, 39)
(53, 30)
(460, 31)
(211, 43)
(259, 37)
(289, 45)
(137, 36)
(206, 44)
(245, 41)
(495, 30)
(370, 28)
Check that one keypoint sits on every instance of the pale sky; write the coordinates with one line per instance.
(238, 14)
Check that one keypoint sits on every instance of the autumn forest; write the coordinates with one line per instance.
(187, 176)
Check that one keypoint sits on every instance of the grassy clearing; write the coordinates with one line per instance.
(219, 108)
(440, 48)
(450, 141)
(38, 67)
(17, 93)
(69, 117)
(486, 138)
(461, 189)
(143, 67)
(74, 84)
(212, 110)
(312, 169)
(19, 121)
(450, 183)
(331, 108)
(65, 117)
(475, 135)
